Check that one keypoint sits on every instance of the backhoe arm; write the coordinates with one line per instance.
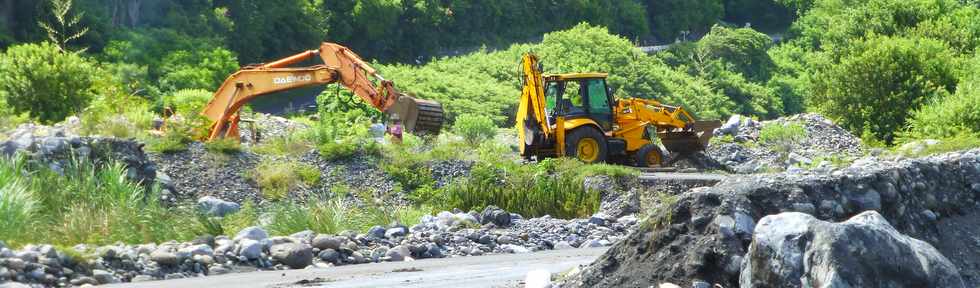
(340, 66)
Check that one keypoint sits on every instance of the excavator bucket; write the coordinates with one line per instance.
(690, 140)
(420, 117)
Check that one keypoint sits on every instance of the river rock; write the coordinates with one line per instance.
(795, 249)
(294, 255)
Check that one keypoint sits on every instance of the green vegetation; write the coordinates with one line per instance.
(225, 146)
(88, 204)
(276, 177)
(782, 137)
(49, 85)
(474, 128)
(552, 187)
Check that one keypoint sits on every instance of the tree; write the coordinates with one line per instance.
(878, 82)
(66, 27)
(41, 80)
(668, 18)
(743, 48)
(951, 115)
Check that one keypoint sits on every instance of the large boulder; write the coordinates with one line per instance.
(294, 255)
(797, 250)
(216, 207)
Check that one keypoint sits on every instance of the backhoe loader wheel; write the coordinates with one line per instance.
(587, 144)
(649, 155)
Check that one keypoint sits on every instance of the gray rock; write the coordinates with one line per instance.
(218, 270)
(726, 225)
(516, 249)
(700, 284)
(294, 255)
(324, 242)
(398, 253)
(164, 257)
(731, 126)
(84, 280)
(190, 251)
(563, 245)
(744, 225)
(14, 285)
(376, 232)
(864, 251)
(254, 233)
(142, 278)
(16, 264)
(330, 255)
(104, 277)
(394, 232)
(305, 236)
(497, 216)
(250, 249)
(217, 207)
(434, 251)
(598, 219)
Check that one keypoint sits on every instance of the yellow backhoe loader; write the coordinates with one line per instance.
(342, 66)
(576, 115)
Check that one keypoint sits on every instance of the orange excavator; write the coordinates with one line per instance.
(342, 66)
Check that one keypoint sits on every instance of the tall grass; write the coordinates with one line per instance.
(84, 204)
(552, 187)
(276, 177)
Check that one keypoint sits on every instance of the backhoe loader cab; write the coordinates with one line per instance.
(576, 115)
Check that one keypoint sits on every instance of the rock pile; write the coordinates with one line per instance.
(56, 147)
(748, 155)
(707, 235)
(447, 234)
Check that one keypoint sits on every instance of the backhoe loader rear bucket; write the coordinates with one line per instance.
(691, 140)
(420, 117)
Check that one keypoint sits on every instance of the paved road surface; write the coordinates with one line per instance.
(483, 271)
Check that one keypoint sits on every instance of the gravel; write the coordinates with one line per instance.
(748, 155)
(450, 234)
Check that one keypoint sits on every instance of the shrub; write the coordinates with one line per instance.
(276, 178)
(951, 115)
(49, 85)
(188, 102)
(551, 187)
(475, 128)
(782, 137)
(879, 82)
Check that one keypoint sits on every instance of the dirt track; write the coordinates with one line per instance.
(484, 271)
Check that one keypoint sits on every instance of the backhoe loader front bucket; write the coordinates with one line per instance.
(691, 140)
(420, 117)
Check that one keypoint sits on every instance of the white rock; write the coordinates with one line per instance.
(538, 279)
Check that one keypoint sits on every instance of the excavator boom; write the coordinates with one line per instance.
(340, 66)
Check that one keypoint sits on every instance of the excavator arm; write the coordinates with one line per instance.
(340, 66)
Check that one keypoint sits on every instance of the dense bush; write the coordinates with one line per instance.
(188, 102)
(475, 128)
(49, 85)
(879, 82)
(951, 115)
